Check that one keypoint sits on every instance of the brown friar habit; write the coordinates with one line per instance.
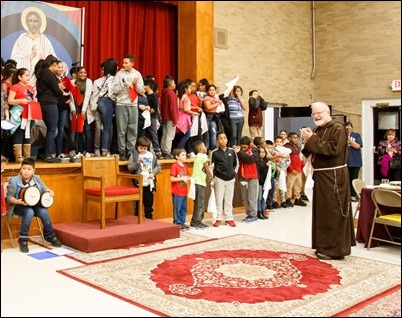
(332, 228)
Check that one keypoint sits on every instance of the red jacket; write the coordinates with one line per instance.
(256, 107)
(248, 163)
(169, 106)
(296, 163)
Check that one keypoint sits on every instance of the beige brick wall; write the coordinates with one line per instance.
(269, 47)
(358, 51)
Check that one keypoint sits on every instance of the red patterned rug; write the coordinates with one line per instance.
(185, 238)
(387, 304)
(240, 276)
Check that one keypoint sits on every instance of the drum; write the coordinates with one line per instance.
(46, 200)
(31, 195)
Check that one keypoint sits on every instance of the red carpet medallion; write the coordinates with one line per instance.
(240, 276)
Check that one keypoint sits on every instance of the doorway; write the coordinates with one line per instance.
(372, 133)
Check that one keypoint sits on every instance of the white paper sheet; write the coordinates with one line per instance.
(229, 85)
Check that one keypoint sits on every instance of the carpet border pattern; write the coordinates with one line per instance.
(128, 279)
(185, 238)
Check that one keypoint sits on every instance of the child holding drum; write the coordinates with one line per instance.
(29, 205)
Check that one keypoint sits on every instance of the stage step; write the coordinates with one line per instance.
(120, 233)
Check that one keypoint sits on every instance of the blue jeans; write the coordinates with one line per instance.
(271, 191)
(210, 136)
(27, 213)
(261, 200)
(179, 209)
(236, 127)
(184, 139)
(50, 114)
(106, 109)
(19, 137)
(61, 123)
(81, 141)
(152, 133)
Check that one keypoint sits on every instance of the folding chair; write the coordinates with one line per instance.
(10, 224)
(385, 198)
(358, 185)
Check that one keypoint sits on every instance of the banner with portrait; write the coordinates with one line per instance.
(31, 30)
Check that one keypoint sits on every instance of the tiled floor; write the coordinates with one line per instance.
(32, 288)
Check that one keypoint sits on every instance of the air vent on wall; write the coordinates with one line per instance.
(221, 38)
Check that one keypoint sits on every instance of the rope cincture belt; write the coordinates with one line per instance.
(336, 188)
(330, 168)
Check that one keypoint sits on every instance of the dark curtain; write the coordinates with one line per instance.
(148, 30)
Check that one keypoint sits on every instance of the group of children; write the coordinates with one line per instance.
(263, 168)
(258, 165)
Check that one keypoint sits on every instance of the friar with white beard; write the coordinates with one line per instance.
(332, 229)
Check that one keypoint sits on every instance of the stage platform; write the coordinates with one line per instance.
(120, 233)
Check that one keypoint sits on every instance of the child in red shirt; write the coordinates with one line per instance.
(21, 94)
(179, 177)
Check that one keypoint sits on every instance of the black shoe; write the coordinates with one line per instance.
(269, 206)
(250, 219)
(23, 245)
(275, 205)
(53, 160)
(148, 217)
(327, 257)
(54, 241)
(261, 215)
(184, 227)
(300, 202)
(158, 154)
(168, 156)
(284, 205)
(304, 197)
(122, 157)
(199, 226)
(289, 203)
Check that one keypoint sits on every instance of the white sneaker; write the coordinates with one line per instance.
(63, 158)
(72, 153)
(105, 153)
(191, 155)
(97, 153)
(77, 157)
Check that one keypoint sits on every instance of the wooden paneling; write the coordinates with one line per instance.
(196, 40)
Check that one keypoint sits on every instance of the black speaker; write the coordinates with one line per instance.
(297, 111)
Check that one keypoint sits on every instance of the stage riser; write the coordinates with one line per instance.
(120, 233)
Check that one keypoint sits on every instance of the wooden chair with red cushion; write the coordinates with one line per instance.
(103, 183)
